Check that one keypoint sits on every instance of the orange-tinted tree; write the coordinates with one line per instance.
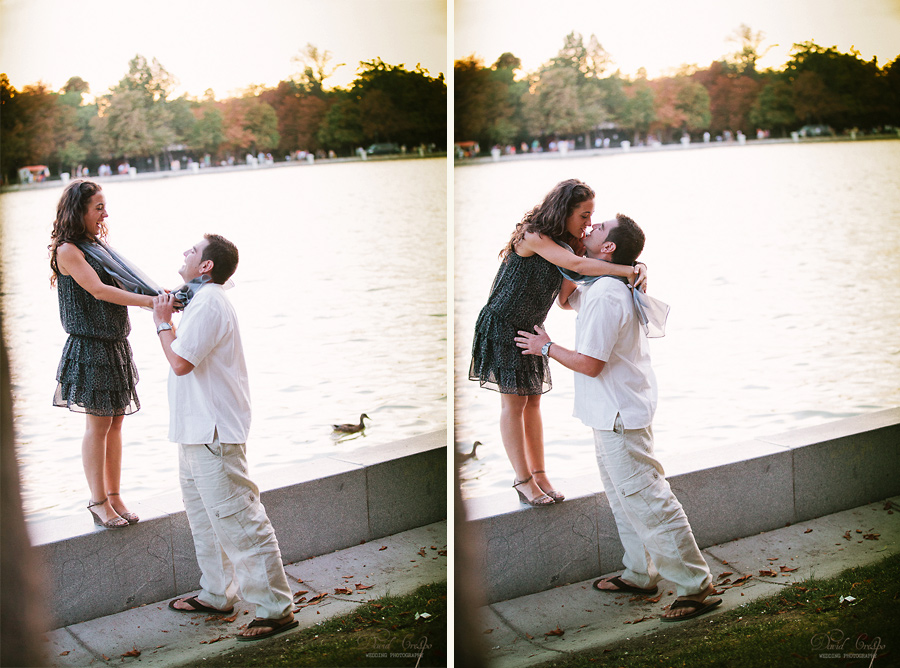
(681, 105)
(731, 96)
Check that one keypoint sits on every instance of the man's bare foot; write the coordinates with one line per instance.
(194, 604)
(263, 628)
(615, 583)
(684, 610)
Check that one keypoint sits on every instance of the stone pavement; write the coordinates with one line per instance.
(395, 565)
(516, 631)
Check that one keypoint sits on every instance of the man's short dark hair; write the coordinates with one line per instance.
(628, 238)
(224, 256)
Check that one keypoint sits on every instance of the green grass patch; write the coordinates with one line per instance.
(806, 624)
(390, 631)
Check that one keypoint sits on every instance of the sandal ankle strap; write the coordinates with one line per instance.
(97, 503)
(522, 482)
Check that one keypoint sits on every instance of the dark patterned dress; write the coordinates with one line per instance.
(96, 374)
(521, 296)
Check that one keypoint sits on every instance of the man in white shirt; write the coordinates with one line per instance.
(209, 417)
(615, 395)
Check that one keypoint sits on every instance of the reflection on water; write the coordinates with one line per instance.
(781, 263)
(340, 292)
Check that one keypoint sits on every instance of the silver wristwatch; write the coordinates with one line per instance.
(545, 349)
(163, 326)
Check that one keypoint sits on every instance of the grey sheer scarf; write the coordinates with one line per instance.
(651, 313)
(131, 279)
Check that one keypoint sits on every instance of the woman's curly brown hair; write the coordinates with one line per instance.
(549, 217)
(69, 224)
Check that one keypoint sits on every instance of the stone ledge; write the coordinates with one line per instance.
(727, 492)
(316, 508)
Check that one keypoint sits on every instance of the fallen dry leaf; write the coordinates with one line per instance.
(443, 553)
(105, 658)
(655, 599)
(725, 574)
(847, 535)
(318, 597)
(555, 632)
(342, 590)
(638, 621)
(486, 631)
(421, 552)
(785, 569)
(66, 653)
(741, 579)
(360, 587)
(210, 642)
(808, 531)
(767, 574)
(382, 548)
(134, 652)
(529, 636)
(872, 536)
(301, 593)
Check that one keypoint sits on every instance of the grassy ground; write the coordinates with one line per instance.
(807, 624)
(391, 631)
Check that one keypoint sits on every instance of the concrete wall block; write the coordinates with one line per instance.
(184, 558)
(103, 572)
(533, 549)
(319, 516)
(610, 550)
(738, 499)
(847, 472)
(407, 492)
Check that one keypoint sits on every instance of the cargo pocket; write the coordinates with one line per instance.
(241, 518)
(649, 497)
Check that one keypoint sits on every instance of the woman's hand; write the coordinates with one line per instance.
(640, 276)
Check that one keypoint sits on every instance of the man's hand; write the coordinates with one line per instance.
(163, 308)
(531, 344)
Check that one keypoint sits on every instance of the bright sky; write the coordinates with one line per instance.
(661, 35)
(225, 45)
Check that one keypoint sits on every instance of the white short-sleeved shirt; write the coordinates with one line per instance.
(607, 329)
(216, 394)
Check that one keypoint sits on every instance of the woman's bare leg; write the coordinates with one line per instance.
(513, 434)
(93, 458)
(114, 464)
(534, 442)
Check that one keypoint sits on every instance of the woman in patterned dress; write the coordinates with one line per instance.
(521, 296)
(96, 374)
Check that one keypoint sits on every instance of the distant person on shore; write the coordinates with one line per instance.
(209, 417)
(96, 374)
(615, 395)
(523, 291)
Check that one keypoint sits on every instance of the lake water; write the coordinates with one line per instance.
(781, 264)
(341, 294)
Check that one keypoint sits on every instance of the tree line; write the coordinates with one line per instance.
(140, 122)
(574, 96)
